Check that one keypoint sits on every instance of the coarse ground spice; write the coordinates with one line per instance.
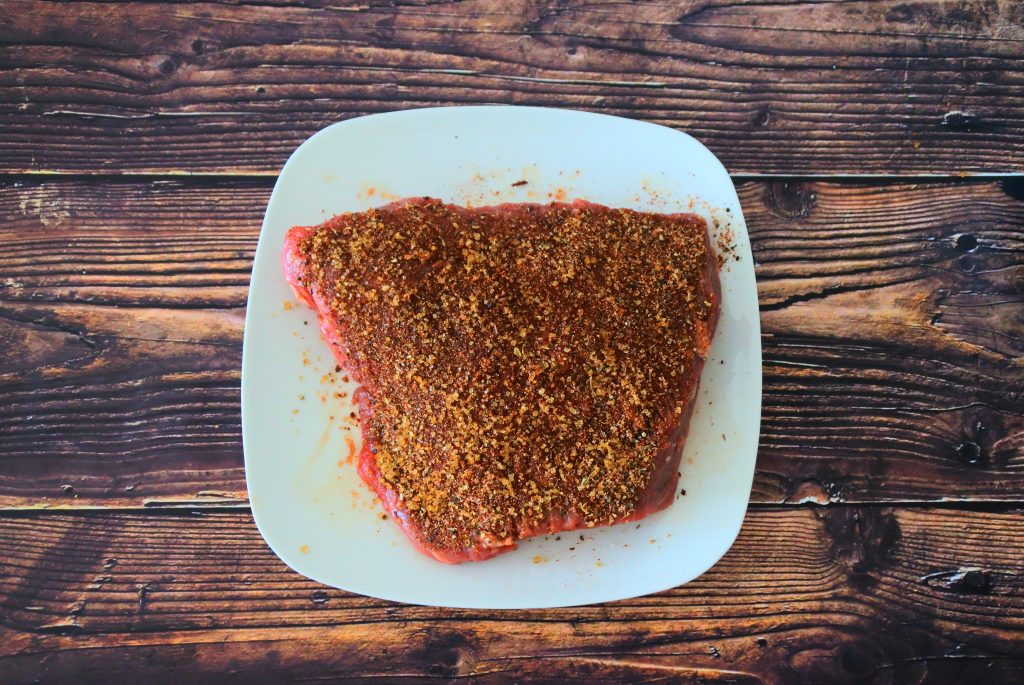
(519, 363)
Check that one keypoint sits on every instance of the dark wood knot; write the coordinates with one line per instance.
(967, 264)
(962, 581)
(449, 654)
(960, 121)
(790, 199)
(863, 541)
(855, 660)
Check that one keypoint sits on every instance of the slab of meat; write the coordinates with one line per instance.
(524, 369)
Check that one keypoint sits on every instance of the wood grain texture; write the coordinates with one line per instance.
(122, 308)
(892, 320)
(893, 337)
(837, 594)
(892, 86)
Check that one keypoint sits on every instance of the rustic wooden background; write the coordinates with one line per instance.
(877, 147)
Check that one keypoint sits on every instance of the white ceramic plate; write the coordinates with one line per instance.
(306, 497)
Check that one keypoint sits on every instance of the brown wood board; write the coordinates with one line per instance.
(838, 594)
(891, 315)
(887, 87)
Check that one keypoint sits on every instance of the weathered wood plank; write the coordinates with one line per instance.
(793, 88)
(894, 335)
(891, 314)
(837, 594)
(121, 311)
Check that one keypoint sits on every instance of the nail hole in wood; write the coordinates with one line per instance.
(762, 117)
(969, 452)
(966, 242)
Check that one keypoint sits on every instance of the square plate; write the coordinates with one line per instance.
(299, 436)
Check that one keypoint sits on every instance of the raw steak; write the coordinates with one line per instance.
(524, 369)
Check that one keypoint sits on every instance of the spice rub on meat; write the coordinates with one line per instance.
(525, 369)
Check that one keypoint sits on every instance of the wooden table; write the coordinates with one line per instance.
(874, 146)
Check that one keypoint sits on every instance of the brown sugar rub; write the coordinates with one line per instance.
(525, 369)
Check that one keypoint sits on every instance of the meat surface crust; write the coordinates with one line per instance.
(524, 369)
